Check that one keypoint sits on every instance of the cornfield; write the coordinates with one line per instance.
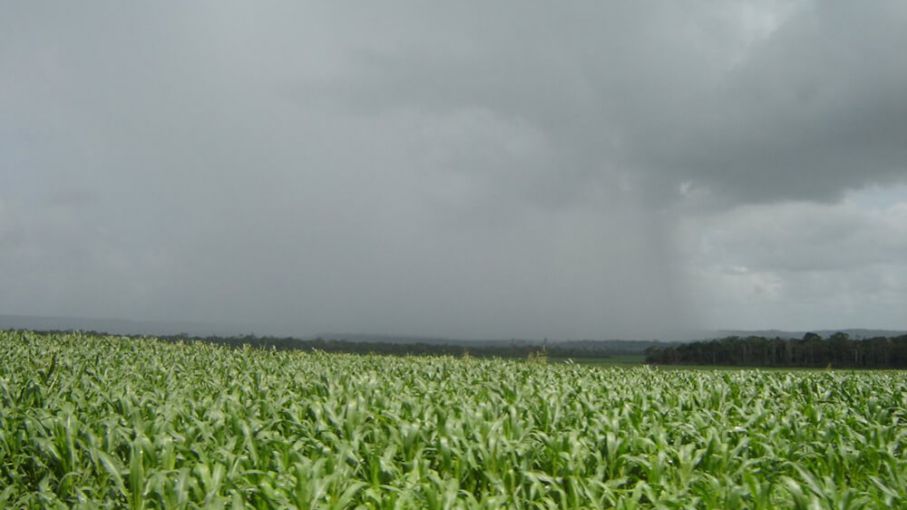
(107, 422)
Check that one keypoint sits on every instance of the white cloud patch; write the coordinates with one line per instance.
(790, 264)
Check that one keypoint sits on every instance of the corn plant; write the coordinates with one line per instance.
(107, 422)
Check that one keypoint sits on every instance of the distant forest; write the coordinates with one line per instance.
(575, 349)
(838, 351)
(499, 349)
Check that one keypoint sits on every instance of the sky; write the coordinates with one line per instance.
(463, 169)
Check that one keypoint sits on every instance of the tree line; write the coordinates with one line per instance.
(587, 349)
(838, 350)
(515, 349)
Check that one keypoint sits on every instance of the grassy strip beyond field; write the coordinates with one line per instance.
(107, 422)
(615, 360)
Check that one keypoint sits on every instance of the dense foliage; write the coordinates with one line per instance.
(575, 349)
(94, 422)
(811, 351)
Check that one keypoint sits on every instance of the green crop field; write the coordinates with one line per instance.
(89, 422)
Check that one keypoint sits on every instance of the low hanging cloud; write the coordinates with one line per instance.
(814, 110)
(799, 261)
(480, 170)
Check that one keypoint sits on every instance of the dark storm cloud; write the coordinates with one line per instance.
(805, 109)
(506, 169)
(813, 110)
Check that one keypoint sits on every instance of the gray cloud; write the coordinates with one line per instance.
(477, 170)
(804, 264)
(804, 108)
(806, 237)
(812, 111)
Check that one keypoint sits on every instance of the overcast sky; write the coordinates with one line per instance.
(467, 169)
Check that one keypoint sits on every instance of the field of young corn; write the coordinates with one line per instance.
(107, 422)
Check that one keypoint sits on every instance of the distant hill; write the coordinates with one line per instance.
(200, 329)
(854, 333)
(114, 326)
(613, 346)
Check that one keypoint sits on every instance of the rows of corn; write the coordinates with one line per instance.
(107, 422)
